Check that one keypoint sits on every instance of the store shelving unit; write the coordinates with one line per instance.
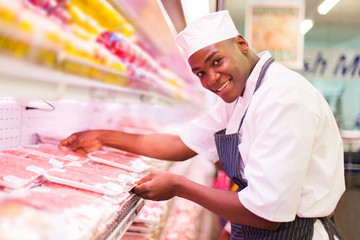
(123, 219)
(157, 31)
(21, 79)
(24, 78)
(21, 74)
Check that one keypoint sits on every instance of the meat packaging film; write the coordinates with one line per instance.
(54, 211)
(94, 177)
(27, 163)
(119, 159)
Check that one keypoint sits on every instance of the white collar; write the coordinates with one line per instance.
(240, 107)
(254, 75)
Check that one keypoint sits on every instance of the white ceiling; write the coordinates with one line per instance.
(345, 13)
(340, 27)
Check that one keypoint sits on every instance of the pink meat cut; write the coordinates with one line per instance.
(20, 168)
(54, 151)
(99, 169)
(34, 156)
(55, 199)
(125, 159)
(90, 176)
(90, 173)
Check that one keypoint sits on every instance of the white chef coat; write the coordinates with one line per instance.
(291, 147)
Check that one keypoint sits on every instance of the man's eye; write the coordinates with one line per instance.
(217, 61)
(200, 74)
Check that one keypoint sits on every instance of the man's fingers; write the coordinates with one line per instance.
(65, 144)
(142, 184)
(92, 148)
(141, 190)
(81, 151)
(145, 179)
(85, 140)
(74, 142)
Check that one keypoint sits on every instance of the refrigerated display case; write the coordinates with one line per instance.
(68, 50)
(68, 66)
(177, 218)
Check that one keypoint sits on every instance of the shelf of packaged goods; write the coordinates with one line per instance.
(25, 80)
(144, 14)
(122, 220)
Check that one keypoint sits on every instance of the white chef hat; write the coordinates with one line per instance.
(206, 30)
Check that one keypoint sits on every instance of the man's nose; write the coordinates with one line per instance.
(213, 76)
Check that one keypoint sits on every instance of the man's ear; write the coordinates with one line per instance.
(241, 43)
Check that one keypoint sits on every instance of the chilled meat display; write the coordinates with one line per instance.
(38, 156)
(149, 222)
(31, 161)
(42, 187)
(61, 77)
(16, 172)
(53, 211)
(93, 177)
(52, 197)
(119, 159)
(183, 222)
(53, 150)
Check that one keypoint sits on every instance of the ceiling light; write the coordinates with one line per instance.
(326, 6)
(305, 26)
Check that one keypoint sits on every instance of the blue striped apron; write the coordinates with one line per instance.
(230, 158)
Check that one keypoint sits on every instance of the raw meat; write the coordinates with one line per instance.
(118, 157)
(54, 151)
(183, 222)
(126, 161)
(94, 177)
(52, 212)
(105, 171)
(53, 197)
(38, 157)
(17, 172)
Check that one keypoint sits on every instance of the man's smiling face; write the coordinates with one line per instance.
(223, 67)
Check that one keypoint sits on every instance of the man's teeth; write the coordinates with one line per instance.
(223, 86)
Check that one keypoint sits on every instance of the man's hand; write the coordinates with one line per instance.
(158, 186)
(82, 142)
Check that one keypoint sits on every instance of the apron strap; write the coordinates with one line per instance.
(258, 83)
(331, 229)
